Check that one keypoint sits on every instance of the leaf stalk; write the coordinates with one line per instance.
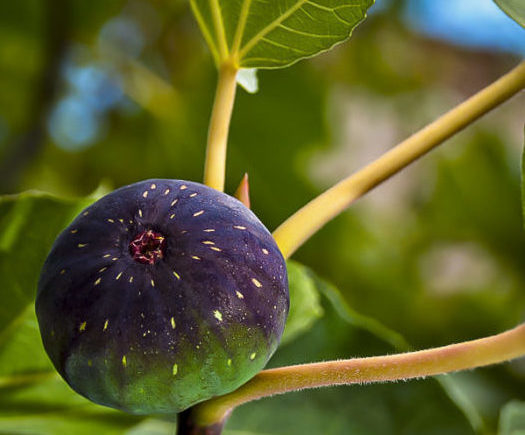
(215, 161)
(299, 227)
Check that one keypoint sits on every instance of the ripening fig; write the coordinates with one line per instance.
(160, 295)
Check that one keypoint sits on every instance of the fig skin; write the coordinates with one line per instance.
(160, 295)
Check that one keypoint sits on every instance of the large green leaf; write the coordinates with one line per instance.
(262, 34)
(514, 9)
(30, 222)
(306, 289)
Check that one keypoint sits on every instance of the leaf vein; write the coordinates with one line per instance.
(308, 14)
(287, 47)
(219, 28)
(340, 18)
(267, 29)
(205, 31)
(313, 35)
(239, 32)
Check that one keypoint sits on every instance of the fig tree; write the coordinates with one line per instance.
(160, 295)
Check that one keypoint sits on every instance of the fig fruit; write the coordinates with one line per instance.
(160, 295)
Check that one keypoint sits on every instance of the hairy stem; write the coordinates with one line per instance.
(299, 227)
(404, 366)
(215, 164)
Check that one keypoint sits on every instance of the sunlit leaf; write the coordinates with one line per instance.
(514, 9)
(262, 34)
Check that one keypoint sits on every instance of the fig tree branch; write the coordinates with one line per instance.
(215, 163)
(467, 355)
(299, 227)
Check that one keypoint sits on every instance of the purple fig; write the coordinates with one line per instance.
(160, 295)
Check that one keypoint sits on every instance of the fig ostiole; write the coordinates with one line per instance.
(160, 295)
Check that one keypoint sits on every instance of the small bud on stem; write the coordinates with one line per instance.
(243, 191)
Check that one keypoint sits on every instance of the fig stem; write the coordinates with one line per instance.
(404, 366)
(186, 425)
(299, 227)
(215, 162)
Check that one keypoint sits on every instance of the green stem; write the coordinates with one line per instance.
(470, 354)
(215, 163)
(299, 227)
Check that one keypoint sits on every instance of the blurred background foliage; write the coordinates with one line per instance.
(114, 92)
